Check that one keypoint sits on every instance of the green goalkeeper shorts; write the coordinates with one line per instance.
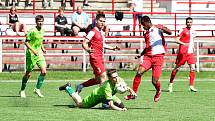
(31, 61)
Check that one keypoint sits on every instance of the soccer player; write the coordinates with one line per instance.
(34, 55)
(94, 44)
(104, 94)
(153, 55)
(185, 54)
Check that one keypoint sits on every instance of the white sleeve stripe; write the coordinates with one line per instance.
(90, 35)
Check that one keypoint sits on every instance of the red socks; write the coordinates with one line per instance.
(136, 82)
(192, 77)
(157, 85)
(173, 74)
(90, 82)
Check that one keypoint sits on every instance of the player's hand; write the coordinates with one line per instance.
(90, 50)
(116, 48)
(124, 109)
(44, 51)
(137, 57)
(186, 44)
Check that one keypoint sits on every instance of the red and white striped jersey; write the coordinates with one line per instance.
(186, 36)
(155, 42)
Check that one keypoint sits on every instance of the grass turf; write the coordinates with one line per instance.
(181, 105)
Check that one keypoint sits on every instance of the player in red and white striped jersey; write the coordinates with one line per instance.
(185, 54)
(153, 55)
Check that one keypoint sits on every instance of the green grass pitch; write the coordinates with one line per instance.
(181, 105)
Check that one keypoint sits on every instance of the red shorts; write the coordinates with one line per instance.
(97, 63)
(183, 58)
(155, 62)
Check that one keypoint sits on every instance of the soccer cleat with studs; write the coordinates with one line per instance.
(63, 87)
(37, 92)
(170, 88)
(79, 88)
(130, 97)
(22, 94)
(192, 89)
(157, 96)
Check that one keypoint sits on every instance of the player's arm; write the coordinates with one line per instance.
(43, 48)
(177, 40)
(114, 107)
(111, 48)
(141, 54)
(30, 48)
(164, 29)
(85, 43)
(86, 47)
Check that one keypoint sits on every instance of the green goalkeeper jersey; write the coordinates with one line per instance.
(35, 39)
(107, 90)
(101, 94)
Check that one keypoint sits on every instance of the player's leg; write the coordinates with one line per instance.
(99, 72)
(24, 83)
(156, 73)
(42, 65)
(192, 77)
(29, 68)
(172, 77)
(77, 99)
(180, 60)
(143, 67)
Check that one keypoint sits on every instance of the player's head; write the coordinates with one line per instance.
(189, 22)
(100, 21)
(61, 11)
(146, 22)
(112, 75)
(39, 20)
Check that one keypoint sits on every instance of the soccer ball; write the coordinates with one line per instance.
(121, 87)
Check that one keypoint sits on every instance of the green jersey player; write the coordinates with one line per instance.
(103, 94)
(34, 56)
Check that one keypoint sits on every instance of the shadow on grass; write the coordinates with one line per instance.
(69, 106)
(9, 96)
(101, 108)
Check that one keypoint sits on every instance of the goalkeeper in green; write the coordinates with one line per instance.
(103, 94)
(34, 56)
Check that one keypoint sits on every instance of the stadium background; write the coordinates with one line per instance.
(67, 57)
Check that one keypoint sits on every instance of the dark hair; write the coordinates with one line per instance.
(98, 16)
(188, 18)
(110, 72)
(39, 17)
(145, 19)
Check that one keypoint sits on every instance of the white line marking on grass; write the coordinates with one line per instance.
(180, 80)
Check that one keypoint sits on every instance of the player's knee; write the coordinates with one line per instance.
(192, 70)
(43, 73)
(28, 75)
